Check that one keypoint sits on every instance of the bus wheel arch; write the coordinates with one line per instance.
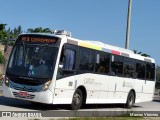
(130, 99)
(79, 98)
(83, 89)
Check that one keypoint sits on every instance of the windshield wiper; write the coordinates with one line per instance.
(32, 78)
(26, 78)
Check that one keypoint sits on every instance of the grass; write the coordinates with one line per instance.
(106, 118)
(112, 118)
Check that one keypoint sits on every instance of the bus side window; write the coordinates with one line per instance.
(102, 62)
(129, 68)
(150, 74)
(140, 69)
(117, 65)
(86, 60)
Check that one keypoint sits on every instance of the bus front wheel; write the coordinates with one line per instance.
(77, 100)
(130, 100)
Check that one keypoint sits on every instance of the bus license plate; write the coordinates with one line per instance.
(23, 94)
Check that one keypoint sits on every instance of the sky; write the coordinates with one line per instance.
(100, 20)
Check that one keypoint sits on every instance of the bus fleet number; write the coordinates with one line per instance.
(88, 81)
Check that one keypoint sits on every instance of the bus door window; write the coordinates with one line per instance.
(150, 71)
(68, 59)
(67, 63)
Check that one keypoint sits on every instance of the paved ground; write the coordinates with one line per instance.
(0, 90)
(8, 104)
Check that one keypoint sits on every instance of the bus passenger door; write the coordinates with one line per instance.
(65, 82)
(149, 84)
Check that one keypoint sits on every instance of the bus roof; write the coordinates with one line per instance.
(97, 45)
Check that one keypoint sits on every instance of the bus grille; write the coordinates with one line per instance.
(29, 96)
(24, 89)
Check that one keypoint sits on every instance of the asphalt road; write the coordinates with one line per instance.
(15, 105)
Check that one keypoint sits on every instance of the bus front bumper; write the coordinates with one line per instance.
(41, 97)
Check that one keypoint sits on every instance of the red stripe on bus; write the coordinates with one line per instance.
(116, 52)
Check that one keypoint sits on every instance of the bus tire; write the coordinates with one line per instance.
(130, 100)
(77, 100)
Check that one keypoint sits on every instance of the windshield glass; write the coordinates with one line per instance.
(32, 61)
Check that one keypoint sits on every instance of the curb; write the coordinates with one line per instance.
(1, 92)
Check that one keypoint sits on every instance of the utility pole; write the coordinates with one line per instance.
(128, 24)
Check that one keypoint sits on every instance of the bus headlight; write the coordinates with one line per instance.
(6, 81)
(46, 85)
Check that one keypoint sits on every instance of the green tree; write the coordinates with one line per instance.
(38, 30)
(15, 33)
(11, 36)
(140, 53)
(2, 27)
(3, 34)
(2, 59)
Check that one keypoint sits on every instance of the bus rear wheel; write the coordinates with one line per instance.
(77, 100)
(130, 100)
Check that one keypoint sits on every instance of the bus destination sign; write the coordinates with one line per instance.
(37, 39)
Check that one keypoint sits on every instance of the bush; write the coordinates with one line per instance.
(2, 59)
(11, 43)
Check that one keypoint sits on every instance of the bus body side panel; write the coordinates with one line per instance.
(64, 90)
(144, 90)
(149, 90)
(94, 84)
(120, 87)
(99, 88)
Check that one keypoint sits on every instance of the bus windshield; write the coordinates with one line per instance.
(35, 61)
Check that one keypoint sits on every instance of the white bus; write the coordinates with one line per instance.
(59, 69)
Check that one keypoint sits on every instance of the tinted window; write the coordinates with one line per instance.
(129, 68)
(67, 62)
(102, 62)
(86, 59)
(150, 71)
(140, 69)
(117, 65)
